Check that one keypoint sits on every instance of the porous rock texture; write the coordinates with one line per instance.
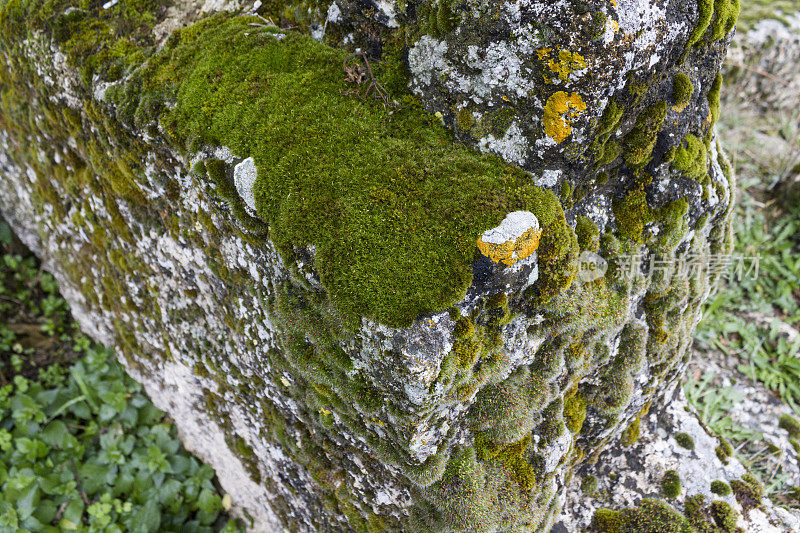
(625, 474)
(314, 283)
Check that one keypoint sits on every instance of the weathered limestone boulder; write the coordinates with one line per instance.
(359, 321)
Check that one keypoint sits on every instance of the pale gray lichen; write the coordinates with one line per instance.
(244, 176)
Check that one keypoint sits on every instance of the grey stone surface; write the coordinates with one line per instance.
(628, 474)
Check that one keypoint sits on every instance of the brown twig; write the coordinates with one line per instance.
(363, 75)
(762, 72)
(78, 482)
(60, 511)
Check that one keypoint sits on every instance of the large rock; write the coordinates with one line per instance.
(360, 323)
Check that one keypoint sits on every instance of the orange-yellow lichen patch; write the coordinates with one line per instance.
(542, 52)
(517, 237)
(566, 64)
(560, 110)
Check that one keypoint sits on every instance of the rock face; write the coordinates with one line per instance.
(671, 439)
(361, 323)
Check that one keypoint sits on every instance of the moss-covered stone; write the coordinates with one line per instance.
(790, 424)
(684, 441)
(383, 275)
(639, 142)
(375, 212)
(748, 491)
(682, 90)
(720, 488)
(656, 516)
(671, 484)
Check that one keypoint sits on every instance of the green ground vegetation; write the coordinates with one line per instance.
(754, 10)
(748, 319)
(81, 447)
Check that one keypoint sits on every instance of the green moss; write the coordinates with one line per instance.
(574, 412)
(725, 516)
(639, 142)
(589, 484)
(392, 205)
(598, 25)
(655, 516)
(464, 119)
(790, 424)
(588, 234)
(611, 151)
(445, 18)
(631, 433)
(632, 213)
(720, 488)
(726, 12)
(691, 158)
(682, 90)
(637, 88)
(723, 451)
(514, 457)
(693, 510)
(606, 150)
(713, 97)
(462, 496)
(705, 12)
(495, 122)
(684, 441)
(651, 516)
(748, 491)
(632, 348)
(671, 484)
(438, 17)
(607, 521)
(98, 42)
(464, 329)
(615, 390)
(504, 413)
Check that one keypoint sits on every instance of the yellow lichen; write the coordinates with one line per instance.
(567, 63)
(511, 251)
(560, 110)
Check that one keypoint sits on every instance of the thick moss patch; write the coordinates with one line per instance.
(391, 204)
(97, 41)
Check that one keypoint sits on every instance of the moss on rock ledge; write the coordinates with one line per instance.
(391, 205)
